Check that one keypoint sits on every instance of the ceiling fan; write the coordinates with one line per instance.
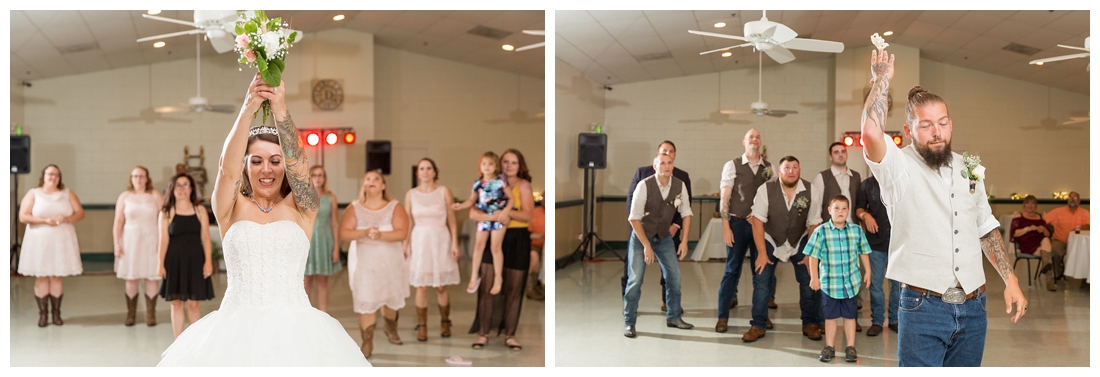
(216, 25)
(198, 103)
(533, 45)
(760, 107)
(718, 116)
(774, 39)
(1067, 57)
(519, 115)
(1075, 120)
(1051, 124)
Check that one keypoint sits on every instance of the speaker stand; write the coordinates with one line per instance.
(16, 246)
(588, 249)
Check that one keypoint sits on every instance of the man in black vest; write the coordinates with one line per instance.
(836, 180)
(666, 147)
(780, 223)
(653, 204)
(876, 225)
(741, 177)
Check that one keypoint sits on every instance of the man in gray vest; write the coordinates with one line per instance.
(741, 177)
(837, 180)
(942, 225)
(655, 200)
(780, 223)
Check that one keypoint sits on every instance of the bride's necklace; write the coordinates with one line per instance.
(261, 207)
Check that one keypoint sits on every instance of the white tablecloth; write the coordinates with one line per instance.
(710, 242)
(1077, 256)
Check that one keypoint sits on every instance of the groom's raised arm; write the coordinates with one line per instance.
(874, 110)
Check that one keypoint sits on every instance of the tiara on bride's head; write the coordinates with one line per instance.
(263, 130)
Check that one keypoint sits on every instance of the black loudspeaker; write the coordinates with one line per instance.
(592, 151)
(378, 156)
(20, 154)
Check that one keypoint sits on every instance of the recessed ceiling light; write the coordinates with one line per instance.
(720, 24)
(154, 12)
(158, 44)
(338, 17)
(508, 47)
(1039, 63)
(888, 33)
(727, 54)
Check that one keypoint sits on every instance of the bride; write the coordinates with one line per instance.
(265, 206)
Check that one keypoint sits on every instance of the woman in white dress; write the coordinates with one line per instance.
(265, 206)
(135, 234)
(376, 224)
(432, 246)
(50, 250)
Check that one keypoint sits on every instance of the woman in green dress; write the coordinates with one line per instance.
(324, 251)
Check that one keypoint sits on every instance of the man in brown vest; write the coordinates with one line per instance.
(780, 223)
(741, 177)
(837, 180)
(655, 200)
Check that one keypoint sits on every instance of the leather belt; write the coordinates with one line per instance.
(953, 295)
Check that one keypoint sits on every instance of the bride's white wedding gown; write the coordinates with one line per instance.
(265, 318)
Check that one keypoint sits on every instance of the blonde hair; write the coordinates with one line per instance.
(324, 186)
(492, 157)
(363, 192)
(148, 181)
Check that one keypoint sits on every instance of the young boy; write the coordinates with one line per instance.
(832, 250)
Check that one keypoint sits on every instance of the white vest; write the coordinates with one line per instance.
(936, 227)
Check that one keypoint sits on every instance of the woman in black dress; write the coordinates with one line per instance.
(185, 262)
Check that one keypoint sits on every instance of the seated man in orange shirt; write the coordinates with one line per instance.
(1063, 220)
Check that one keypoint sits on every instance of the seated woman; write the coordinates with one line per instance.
(1031, 233)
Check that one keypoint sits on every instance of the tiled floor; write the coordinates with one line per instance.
(1055, 331)
(94, 309)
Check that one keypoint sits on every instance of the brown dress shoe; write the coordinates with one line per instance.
(131, 309)
(893, 326)
(874, 330)
(445, 321)
(391, 330)
(150, 311)
(811, 331)
(769, 325)
(56, 310)
(368, 341)
(733, 304)
(753, 334)
(421, 324)
(772, 305)
(722, 326)
(43, 311)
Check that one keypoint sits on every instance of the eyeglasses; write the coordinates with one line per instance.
(138, 176)
(317, 175)
(53, 174)
(185, 185)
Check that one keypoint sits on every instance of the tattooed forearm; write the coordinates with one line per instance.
(876, 107)
(296, 165)
(994, 247)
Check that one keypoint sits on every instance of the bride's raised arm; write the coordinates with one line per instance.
(294, 156)
(231, 162)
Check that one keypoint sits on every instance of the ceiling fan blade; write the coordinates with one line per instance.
(171, 109)
(169, 35)
(534, 32)
(776, 115)
(814, 45)
(223, 44)
(1058, 58)
(221, 108)
(530, 46)
(1075, 120)
(780, 54)
(734, 112)
(781, 112)
(709, 34)
(725, 48)
(781, 33)
(172, 20)
(1074, 48)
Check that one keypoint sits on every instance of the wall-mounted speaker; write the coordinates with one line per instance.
(378, 156)
(592, 151)
(20, 154)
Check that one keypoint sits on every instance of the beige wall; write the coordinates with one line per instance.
(580, 106)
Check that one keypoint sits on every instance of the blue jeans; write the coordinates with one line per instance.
(735, 257)
(665, 252)
(809, 300)
(935, 333)
(878, 302)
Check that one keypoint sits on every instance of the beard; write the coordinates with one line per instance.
(935, 160)
(791, 184)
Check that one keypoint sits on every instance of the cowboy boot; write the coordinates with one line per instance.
(391, 329)
(131, 310)
(151, 310)
(368, 341)
(445, 322)
(43, 311)
(532, 287)
(421, 324)
(56, 311)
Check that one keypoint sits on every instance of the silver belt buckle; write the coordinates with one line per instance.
(954, 295)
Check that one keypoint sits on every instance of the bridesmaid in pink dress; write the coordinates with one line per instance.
(432, 246)
(135, 235)
(50, 250)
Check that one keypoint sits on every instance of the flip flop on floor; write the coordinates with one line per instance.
(476, 285)
(455, 360)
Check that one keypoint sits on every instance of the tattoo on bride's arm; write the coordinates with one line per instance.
(994, 247)
(305, 195)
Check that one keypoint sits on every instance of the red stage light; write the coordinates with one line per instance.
(313, 138)
(861, 141)
(897, 140)
(848, 141)
(331, 138)
(349, 138)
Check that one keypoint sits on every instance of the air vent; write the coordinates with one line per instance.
(489, 32)
(654, 56)
(1021, 49)
(79, 48)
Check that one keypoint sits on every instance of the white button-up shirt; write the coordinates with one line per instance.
(817, 191)
(760, 211)
(637, 207)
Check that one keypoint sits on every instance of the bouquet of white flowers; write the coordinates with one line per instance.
(263, 44)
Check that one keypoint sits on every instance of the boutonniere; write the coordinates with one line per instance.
(801, 203)
(676, 202)
(767, 173)
(973, 169)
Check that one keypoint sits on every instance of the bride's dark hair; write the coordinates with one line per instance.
(246, 183)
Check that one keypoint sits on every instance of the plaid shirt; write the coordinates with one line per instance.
(837, 251)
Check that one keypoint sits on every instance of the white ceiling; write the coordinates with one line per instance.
(39, 38)
(605, 44)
